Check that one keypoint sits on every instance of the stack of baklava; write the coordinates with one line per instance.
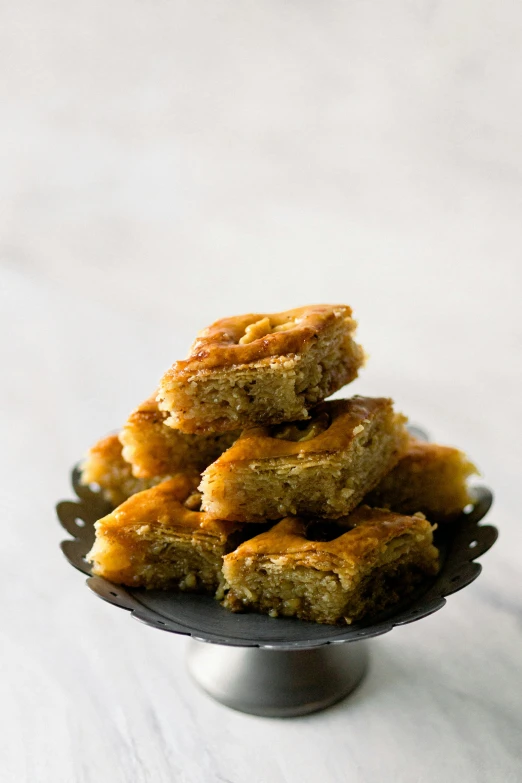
(237, 478)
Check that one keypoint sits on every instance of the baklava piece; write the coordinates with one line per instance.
(324, 466)
(360, 572)
(159, 539)
(105, 467)
(261, 369)
(153, 449)
(428, 478)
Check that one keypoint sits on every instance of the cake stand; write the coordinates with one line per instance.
(277, 667)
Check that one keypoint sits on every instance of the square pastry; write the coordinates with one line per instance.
(153, 449)
(293, 571)
(104, 466)
(324, 466)
(261, 368)
(159, 539)
(428, 478)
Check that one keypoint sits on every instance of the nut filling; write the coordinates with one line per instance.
(261, 328)
(193, 502)
(301, 431)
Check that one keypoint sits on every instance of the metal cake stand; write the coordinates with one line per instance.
(278, 667)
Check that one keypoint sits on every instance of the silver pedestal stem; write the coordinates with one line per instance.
(277, 683)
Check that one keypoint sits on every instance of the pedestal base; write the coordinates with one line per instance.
(277, 683)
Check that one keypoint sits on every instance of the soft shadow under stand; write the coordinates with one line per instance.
(277, 667)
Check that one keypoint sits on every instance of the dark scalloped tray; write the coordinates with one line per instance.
(201, 617)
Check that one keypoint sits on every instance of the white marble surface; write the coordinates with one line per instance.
(163, 164)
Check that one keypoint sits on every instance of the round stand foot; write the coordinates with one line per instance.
(276, 683)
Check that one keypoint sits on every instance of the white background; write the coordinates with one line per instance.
(163, 164)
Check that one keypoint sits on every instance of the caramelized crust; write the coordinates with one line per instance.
(104, 465)
(261, 368)
(266, 476)
(157, 539)
(361, 571)
(428, 478)
(345, 417)
(357, 539)
(219, 345)
(153, 449)
(164, 506)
